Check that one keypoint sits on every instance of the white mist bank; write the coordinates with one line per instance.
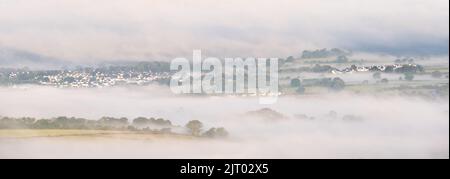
(391, 126)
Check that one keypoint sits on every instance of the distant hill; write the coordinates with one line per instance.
(324, 53)
(15, 58)
(266, 114)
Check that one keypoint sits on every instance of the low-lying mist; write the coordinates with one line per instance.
(338, 125)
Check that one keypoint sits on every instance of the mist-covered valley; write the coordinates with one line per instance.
(353, 79)
(335, 125)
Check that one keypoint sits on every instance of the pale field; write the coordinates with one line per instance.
(86, 134)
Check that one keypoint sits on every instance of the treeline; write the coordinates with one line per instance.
(324, 53)
(153, 66)
(152, 125)
(314, 69)
(333, 84)
(104, 123)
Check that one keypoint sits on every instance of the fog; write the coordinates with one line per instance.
(47, 34)
(86, 31)
(391, 126)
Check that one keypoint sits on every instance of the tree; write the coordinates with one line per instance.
(376, 75)
(290, 59)
(132, 128)
(44, 124)
(295, 82)
(141, 121)
(210, 133)
(166, 130)
(321, 68)
(332, 114)
(162, 122)
(221, 132)
(113, 123)
(337, 84)
(436, 74)
(342, 59)
(216, 133)
(389, 69)
(195, 127)
(409, 76)
(384, 80)
(301, 90)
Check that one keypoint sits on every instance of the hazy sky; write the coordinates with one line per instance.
(84, 30)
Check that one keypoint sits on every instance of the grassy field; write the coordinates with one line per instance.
(69, 133)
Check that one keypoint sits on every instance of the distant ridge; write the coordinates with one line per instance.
(324, 53)
(16, 58)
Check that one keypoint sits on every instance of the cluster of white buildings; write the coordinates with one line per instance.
(374, 68)
(77, 79)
